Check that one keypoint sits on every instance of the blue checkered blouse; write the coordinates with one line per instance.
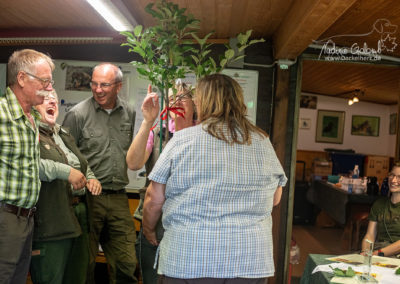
(217, 212)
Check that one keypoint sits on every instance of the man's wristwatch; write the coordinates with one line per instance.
(381, 253)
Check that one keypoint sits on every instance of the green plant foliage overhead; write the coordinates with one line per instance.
(172, 48)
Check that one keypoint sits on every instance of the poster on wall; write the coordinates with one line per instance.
(305, 123)
(78, 78)
(308, 102)
(330, 126)
(365, 125)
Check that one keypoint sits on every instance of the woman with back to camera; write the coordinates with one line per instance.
(216, 184)
(384, 219)
(145, 150)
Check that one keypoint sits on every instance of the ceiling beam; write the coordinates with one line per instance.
(305, 22)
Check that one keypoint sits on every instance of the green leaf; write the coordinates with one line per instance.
(195, 58)
(214, 65)
(397, 271)
(205, 53)
(350, 272)
(223, 62)
(238, 58)
(256, 41)
(139, 51)
(229, 54)
(137, 30)
(142, 71)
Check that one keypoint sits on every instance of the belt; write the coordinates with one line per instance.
(19, 211)
(110, 191)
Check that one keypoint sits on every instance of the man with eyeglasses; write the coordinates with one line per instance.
(29, 81)
(103, 127)
(384, 219)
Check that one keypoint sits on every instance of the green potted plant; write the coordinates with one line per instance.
(172, 48)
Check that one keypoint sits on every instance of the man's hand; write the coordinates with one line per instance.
(151, 237)
(150, 106)
(76, 179)
(94, 186)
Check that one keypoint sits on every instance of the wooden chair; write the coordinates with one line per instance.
(358, 217)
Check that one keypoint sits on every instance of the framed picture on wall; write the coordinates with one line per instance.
(305, 123)
(330, 126)
(308, 101)
(393, 123)
(365, 125)
(78, 78)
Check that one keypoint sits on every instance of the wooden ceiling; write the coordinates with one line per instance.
(292, 26)
(377, 83)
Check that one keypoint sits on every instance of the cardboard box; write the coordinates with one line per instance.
(376, 166)
(322, 168)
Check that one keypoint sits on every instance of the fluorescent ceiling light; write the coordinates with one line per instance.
(111, 14)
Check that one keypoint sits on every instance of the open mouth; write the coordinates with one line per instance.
(50, 111)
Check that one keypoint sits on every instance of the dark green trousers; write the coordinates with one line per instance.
(63, 261)
(49, 260)
(78, 261)
(114, 229)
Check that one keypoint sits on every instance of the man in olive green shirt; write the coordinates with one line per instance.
(103, 127)
(29, 80)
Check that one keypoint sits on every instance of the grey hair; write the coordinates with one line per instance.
(25, 60)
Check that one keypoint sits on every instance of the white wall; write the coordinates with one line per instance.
(384, 144)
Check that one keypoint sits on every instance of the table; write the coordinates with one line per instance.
(320, 277)
(385, 275)
(335, 201)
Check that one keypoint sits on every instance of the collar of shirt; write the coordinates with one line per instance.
(98, 107)
(16, 109)
(47, 128)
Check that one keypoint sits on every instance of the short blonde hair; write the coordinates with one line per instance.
(25, 60)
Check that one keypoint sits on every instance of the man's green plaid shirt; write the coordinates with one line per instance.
(19, 154)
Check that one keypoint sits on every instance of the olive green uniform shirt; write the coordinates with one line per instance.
(387, 216)
(104, 139)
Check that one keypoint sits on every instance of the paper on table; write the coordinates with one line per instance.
(356, 259)
(383, 275)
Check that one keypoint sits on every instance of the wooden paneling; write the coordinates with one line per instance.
(366, 22)
(305, 22)
(308, 157)
(380, 84)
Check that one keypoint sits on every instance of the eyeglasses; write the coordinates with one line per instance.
(50, 98)
(182, 97)
(103, 86)
(392, 176)
(45, 82)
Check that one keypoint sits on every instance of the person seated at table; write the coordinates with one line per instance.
(384, 219)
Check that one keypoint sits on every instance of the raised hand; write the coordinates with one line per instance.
(150, 106)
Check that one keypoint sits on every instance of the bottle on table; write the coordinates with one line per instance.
(356, 172)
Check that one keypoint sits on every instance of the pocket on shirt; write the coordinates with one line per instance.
(93, 138)
(126, 133)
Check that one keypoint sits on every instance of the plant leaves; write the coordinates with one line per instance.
(343, 273)
(397, 272)
(137, 30)
(229, 54)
